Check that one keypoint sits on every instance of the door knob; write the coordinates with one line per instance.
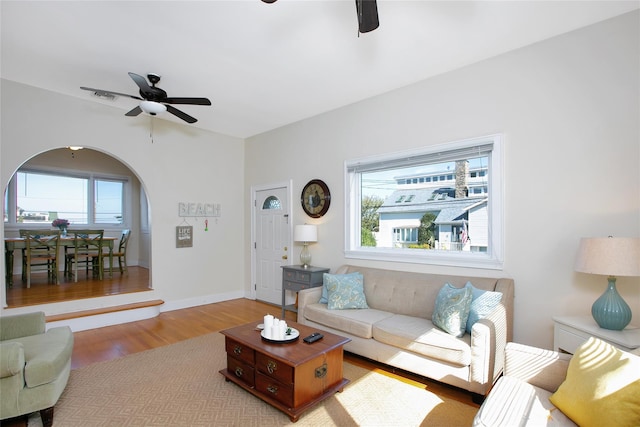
(285, 257)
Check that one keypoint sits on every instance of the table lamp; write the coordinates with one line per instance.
(610, 256)
(306, 234)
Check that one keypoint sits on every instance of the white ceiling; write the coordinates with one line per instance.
(267, 65)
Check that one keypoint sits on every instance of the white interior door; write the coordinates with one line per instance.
(272, 237)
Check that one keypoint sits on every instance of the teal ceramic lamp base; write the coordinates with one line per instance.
(610, 311)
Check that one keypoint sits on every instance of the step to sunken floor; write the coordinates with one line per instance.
(105, 316)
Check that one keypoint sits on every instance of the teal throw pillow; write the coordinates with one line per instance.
(336, 278)
(452, 309)
(482, 304)
(348, 292)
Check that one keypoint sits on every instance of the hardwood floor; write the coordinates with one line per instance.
(135, 280)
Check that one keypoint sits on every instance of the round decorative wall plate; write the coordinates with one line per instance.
(315, 198)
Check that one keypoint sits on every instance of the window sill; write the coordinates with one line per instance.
(429, 257)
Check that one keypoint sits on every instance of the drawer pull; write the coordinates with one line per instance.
(237, 349)
(271, 366)
(272, 389)
(321, 372)
(239, 372)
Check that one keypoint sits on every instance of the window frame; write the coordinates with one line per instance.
(492, 259)
(92, 178)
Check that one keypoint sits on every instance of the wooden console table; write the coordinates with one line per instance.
(291, 377)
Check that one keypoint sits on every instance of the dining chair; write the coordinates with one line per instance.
(121, 253)
(41, 247)
(23, 234)
(87, 249)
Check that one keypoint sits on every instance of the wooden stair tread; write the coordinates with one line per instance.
(103, 310)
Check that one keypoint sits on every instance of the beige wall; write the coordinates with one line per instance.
(569, 111)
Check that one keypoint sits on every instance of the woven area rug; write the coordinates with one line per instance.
(179, 385)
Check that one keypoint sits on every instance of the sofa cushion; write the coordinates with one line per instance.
(46, 355)
(451, 310)
(513, 402)
(357, 322)
(346, 292)
(602, 386)
(482, 304)
(339, 278)
(420, 336)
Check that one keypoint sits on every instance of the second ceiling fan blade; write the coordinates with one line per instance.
(192, 101)
(181, 114)
(367, 15)
(134, 112)
(140, 81)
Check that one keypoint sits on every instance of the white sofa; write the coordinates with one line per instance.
(396, 329)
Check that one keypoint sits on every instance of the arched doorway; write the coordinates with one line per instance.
(92, 190)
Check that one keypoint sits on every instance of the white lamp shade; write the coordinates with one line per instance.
(610, 256)
(305, 233)
(153, 108)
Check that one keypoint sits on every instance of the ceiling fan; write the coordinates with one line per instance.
(153, 99)
(367, 11)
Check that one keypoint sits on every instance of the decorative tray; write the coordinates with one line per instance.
(291, 337)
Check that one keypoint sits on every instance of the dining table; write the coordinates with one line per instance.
(13, 243)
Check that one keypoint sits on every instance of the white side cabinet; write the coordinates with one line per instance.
(570, 332)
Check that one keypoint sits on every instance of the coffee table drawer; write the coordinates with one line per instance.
(239, 351)
(274, 369)
(275, 389)
(241, 370)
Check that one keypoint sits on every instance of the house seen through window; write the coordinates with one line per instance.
(440, 204)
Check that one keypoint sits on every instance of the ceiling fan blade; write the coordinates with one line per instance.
(141, 82)
(181, 114)
(134, 112)
(193, 101)
(367, 15)
(102, 91)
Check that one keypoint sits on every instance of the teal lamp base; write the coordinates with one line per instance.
(610, 311)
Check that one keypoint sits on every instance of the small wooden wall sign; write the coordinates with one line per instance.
(184, 236)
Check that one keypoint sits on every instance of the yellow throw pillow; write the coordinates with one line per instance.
(602, 387)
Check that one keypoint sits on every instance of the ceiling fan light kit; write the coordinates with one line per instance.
(152, 107)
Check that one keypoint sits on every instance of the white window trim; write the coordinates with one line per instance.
(493, 259)
(126, 196)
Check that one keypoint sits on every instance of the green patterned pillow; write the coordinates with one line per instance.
(345, 292)
(332, 278)
(452, 309)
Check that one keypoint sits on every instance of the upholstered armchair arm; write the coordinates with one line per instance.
(488, 341)
(507, 288)
(21, 325)
(306, 297)
(543, 368)
(11, 359)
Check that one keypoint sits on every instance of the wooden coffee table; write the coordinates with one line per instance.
(292, 377)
